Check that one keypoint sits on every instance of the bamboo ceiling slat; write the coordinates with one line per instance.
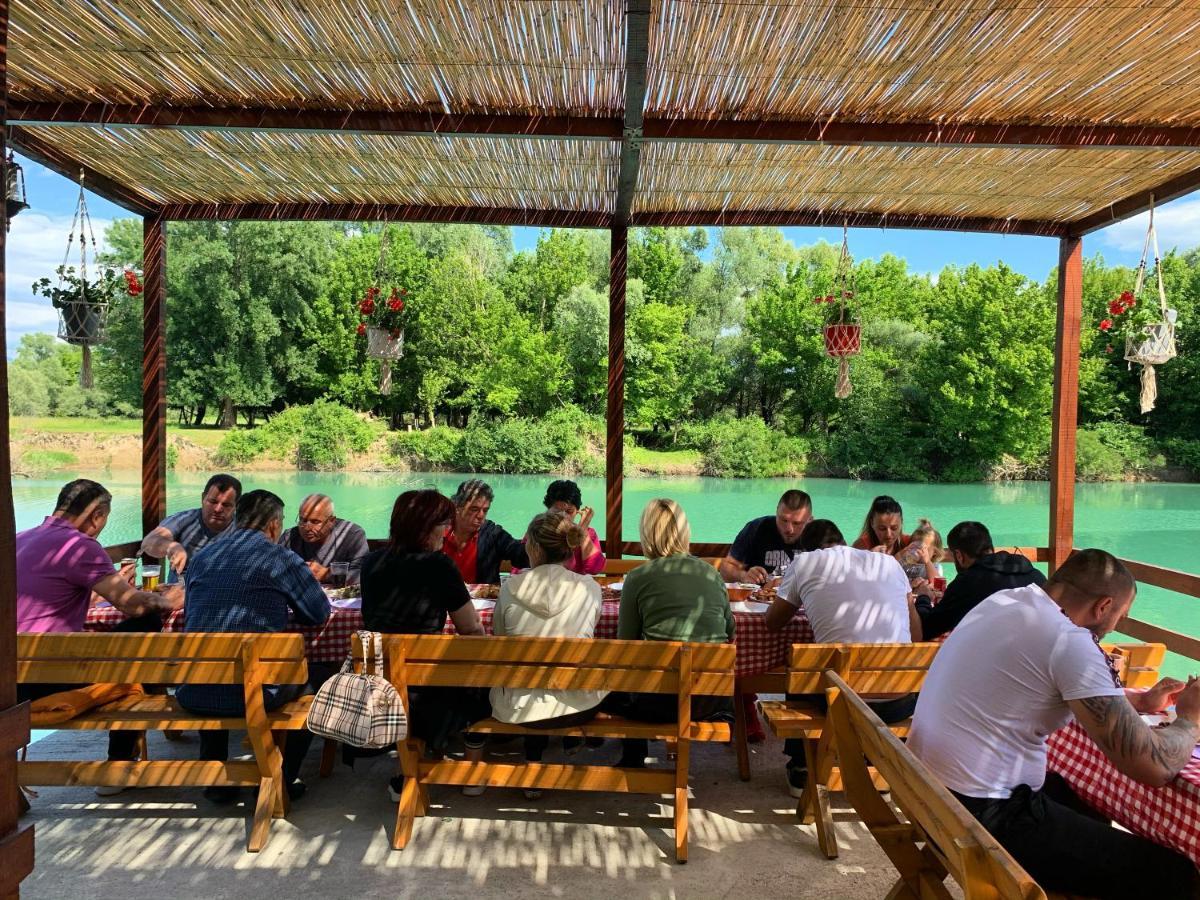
(1016, 61)
(518, 56)
(1041, 184)
(246, 167)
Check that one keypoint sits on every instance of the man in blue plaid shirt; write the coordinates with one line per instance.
(247, 582)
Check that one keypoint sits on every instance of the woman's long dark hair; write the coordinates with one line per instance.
(414, 516)
(881, 506)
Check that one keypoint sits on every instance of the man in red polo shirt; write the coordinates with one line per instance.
(475, 543)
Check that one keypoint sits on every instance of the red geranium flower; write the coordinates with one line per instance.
(367, 307)
(1108, 349)
(1116, 307)
(395, 333)
(362, 328)
(1106, 324)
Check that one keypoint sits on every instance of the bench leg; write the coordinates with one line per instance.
(260, 830)
(414, 799)
(682, 760)
(328, 757)
(740, 744)
(282, 804)
(814, 805)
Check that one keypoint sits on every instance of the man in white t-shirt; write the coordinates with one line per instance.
(850, 596)
(1014, 671)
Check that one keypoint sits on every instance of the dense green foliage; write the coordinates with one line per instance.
(505, 366)
(321, 435)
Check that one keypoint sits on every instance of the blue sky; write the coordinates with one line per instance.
(38, 239)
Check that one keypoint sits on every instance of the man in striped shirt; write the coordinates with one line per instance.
(178, 537)
(321, 539)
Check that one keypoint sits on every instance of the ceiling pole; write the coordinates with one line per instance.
(154, 372)
(1066, 400)
(637, 43)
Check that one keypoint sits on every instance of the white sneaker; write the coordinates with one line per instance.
(474, 790)
(108, 790)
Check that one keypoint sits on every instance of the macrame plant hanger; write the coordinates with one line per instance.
(381, 344)
(81, 321)
(1156, 344)
(843, 338)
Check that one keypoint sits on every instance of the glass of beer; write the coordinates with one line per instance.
(127, 568)
(150, 576)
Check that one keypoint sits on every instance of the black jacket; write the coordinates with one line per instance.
(496, 545)
(991, 573)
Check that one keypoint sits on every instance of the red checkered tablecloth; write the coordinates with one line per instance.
(1168, 815)
(758, 650)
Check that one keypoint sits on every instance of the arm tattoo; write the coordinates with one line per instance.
(1123, 735)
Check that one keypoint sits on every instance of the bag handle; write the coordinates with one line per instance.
(372, 647)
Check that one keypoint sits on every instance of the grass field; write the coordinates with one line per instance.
(661, 459)
(206, 437)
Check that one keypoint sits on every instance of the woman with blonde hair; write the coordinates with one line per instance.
(547, 600)
(672, 597)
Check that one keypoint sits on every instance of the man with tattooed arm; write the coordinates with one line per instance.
(1016, 669)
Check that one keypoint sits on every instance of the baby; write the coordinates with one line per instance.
(921, 557)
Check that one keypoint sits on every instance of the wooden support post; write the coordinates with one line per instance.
(615, 450)
(154, 373)
(1066, 400)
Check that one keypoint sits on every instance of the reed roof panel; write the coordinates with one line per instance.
(521, 56)
(176, 166)
(1018, 61)
(1037, 184)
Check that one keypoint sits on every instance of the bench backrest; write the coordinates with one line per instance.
(868, 668)
(160, 658)
(653, 667)
(973, 857)
(1139, 663)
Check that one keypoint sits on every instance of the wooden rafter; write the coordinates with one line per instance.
(68, 167)
(819, 218)
(1138, 203)
(637, 48)
(385, 212)
(654, 128)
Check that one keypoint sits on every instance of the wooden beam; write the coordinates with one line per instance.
(339, 121)
(1169, 579)
(637, 49)
(1138, 203)
(154, 373)
(980, 135)
(384, 212)
(614, 454)
(830, 218)
(1183, 644)
(69, 167)
(1066, 400)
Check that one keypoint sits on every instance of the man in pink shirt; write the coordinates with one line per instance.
(59, 564)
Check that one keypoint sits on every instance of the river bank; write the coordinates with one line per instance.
(40, 446)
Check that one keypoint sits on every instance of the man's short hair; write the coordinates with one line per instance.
(795, 500)
(820, 533)
(76, 496)
(971, 538)
(258, 509)
(472, 489)
(316, 499)
(223, 483)
(1094, 573)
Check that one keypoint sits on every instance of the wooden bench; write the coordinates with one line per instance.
(940, 837)
(876, 669)
(248, 661)
(653, 667)
(1139, 663)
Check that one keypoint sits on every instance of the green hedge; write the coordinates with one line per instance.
(744, 448)
(318, 436)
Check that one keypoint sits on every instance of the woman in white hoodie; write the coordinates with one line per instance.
(547, 600)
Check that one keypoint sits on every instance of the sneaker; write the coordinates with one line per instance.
(797, 780)
(395, 786)
(755, 737)
(109, 790)
(474, 790)
(533, 794)
(297, 789)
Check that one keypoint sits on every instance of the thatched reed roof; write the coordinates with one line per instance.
(999, 114)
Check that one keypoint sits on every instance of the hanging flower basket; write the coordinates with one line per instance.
(383, 344)
(382, 321)
(1149, 333)
(843, 335)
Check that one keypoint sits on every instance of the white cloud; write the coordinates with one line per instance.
(35, 248)
(1177, 224)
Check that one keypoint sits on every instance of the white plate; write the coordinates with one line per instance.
(482, 603)
(749, 606)
(1163, 718)
(346, 602)
(616, 586)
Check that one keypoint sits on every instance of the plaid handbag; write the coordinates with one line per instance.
(363, 710)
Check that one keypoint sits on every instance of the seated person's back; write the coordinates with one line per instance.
(675, 598)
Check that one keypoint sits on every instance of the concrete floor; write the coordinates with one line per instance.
(171, 843)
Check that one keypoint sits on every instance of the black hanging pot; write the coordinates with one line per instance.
(81, 323)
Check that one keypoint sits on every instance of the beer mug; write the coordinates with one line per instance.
(150, 576)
